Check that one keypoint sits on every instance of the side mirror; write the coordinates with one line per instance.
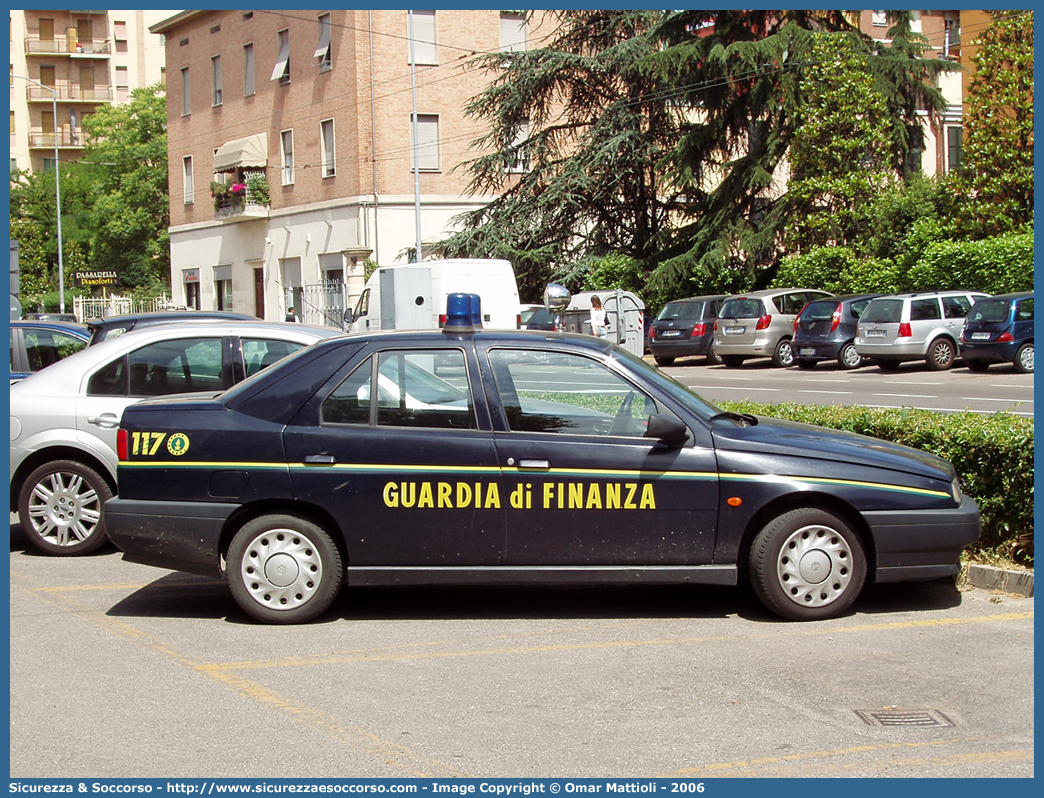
(349, 316)
(667, 429)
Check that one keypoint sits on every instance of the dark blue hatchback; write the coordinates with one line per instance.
(999, 329)
(826, 329)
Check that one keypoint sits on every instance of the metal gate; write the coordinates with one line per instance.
(88, 307)
(324, 303)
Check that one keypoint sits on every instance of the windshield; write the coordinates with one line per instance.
(681, 310)
(991, 311)
(884, 310)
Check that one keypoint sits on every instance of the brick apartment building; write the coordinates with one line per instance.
(314, 109)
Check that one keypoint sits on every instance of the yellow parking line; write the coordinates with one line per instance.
(391, 753)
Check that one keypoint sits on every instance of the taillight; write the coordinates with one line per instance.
(652, 333)
(1004, 338)
(796, 318)
(121, 444)
(905, 331)
(715, 325)
(699, 329)
(835, 319)
(764, 322)
(518, 322)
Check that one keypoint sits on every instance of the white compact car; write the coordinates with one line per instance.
(64, 419)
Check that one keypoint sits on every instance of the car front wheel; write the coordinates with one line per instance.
(941, 354)
(807, 564)
(283, 569)
(60, 508)
(712, 357)
(1024, 359)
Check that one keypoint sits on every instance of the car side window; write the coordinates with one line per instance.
(44, 347)
(956, 307)
(857, 306)
(558, 392)
(259, 353)
(1024, 310)
(924, 309)
(179, 366)
(414, 388)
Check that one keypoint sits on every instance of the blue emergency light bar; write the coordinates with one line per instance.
(463, 313)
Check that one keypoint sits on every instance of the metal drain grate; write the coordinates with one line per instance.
(904, 717)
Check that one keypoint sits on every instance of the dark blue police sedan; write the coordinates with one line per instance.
(486, 458)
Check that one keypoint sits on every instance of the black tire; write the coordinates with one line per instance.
(783, 356)
(848, 357)
(712, 357)
(732, 361)
(663, 361)
(888, 365)
(60, 508)
(282, 569)
(941, 354)
(805, 364)
(1024, 359)
(976, 365)
(807, 565)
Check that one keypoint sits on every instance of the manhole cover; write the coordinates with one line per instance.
(904, 717)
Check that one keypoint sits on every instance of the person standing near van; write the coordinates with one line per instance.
(291, 315)
(599, 326)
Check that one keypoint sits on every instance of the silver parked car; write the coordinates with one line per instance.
(918, 326)
(64, 419)
(761, 324)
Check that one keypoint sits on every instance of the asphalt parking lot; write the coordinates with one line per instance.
(119, 670)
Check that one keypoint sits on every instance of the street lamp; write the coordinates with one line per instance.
(57, 188)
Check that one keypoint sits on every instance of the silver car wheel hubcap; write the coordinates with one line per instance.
(1027, 358)
(281, 569)
(851, 356)
(942, 354)
(814, 566)
(64, 509)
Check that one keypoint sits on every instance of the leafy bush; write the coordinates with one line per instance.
(995, 265)
(993, 456)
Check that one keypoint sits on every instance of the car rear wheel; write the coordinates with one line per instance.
(60, 507)
(848, 357)
(1024, 359)
(941, 353)
(807, 564)
(283, 569)
(784, 354)
(732, 361)
(663, 361)
(713, 359)
(976, 365)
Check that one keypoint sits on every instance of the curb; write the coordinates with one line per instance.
(988, 577)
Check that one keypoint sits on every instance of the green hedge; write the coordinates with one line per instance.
(993, 456)
(995, 265)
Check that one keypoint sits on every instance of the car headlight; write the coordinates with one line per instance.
(955, 489)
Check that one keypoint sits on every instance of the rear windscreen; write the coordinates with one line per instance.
(991, 311)
(883, 310)
(681, 310)
(819, 311)
(742, 309)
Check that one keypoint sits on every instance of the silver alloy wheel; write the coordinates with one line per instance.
(1025, 358)
(281, 569)
(850, 358)
(941, 354)
(784, 353)
(64, 508)
(814, 566)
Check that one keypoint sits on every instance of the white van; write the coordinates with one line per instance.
(412, 296)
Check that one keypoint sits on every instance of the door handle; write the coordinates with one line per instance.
(534, 465)
(105, 420)
(319, 459)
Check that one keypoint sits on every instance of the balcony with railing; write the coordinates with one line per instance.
(70, 92)
(66, 139)
(238, 202)
(64, 45)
